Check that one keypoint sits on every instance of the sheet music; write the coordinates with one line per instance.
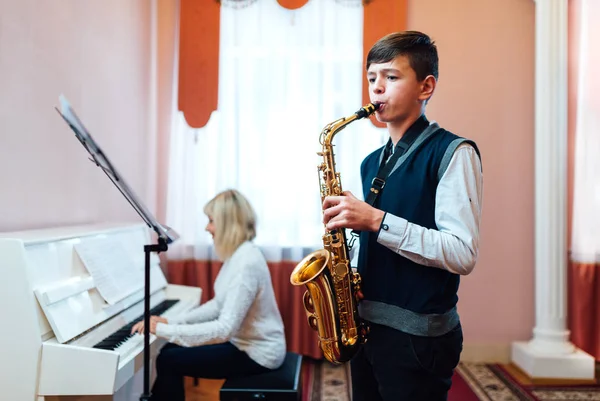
(114, 271)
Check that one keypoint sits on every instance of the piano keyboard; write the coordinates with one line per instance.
(120, 336)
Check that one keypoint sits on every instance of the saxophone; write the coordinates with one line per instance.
(332, 287)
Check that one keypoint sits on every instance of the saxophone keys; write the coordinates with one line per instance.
(341, 269)
(308, 303)
(313, 322)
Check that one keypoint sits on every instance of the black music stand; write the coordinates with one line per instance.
(165, 234)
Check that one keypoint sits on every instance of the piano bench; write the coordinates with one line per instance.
(283, 384)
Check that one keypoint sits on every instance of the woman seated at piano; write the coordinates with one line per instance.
(237, 333)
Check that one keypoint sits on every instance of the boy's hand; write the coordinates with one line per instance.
(346, 211)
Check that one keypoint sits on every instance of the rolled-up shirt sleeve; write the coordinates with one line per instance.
(454, 246)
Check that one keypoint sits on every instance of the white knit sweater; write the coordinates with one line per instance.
(243, 311)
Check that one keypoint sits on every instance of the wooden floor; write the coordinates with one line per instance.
(206, 390)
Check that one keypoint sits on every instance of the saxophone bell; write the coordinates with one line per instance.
(313, 265)
(331, 299)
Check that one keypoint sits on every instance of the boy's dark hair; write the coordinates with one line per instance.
(416, 46)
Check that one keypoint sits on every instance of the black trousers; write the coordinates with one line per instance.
(395, 366)
(219, 361)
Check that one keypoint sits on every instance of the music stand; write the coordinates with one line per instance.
(165, 234)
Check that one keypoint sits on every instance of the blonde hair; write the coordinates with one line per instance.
(234, 220)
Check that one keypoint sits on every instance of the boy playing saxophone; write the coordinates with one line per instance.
(419, 230)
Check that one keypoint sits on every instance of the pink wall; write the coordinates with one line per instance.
(168, 14)
(97, 53)
(486, 93)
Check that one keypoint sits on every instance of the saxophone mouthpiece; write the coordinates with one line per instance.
(367, 110)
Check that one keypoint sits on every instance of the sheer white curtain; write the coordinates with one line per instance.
(586, 199)
(283, 75)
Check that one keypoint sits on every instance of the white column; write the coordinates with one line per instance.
(549, 354)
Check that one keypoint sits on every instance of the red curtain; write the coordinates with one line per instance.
(299, 336)
(198, 89)
(381, 17)
(584, 306)
(199, 49)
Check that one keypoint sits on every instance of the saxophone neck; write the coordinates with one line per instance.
(336, 126)
(331, 130)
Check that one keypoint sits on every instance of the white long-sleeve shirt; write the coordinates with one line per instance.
(455, 245)
(244, 311)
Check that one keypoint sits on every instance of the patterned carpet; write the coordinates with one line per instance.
(325, 382)
(472, 382)
(493, 382)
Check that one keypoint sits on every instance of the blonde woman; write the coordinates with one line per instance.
(238, 332)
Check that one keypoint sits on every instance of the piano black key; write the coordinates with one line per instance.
(121, 335)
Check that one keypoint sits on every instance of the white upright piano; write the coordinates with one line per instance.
(68, 299)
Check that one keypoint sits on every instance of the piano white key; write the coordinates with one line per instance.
(131, 344)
